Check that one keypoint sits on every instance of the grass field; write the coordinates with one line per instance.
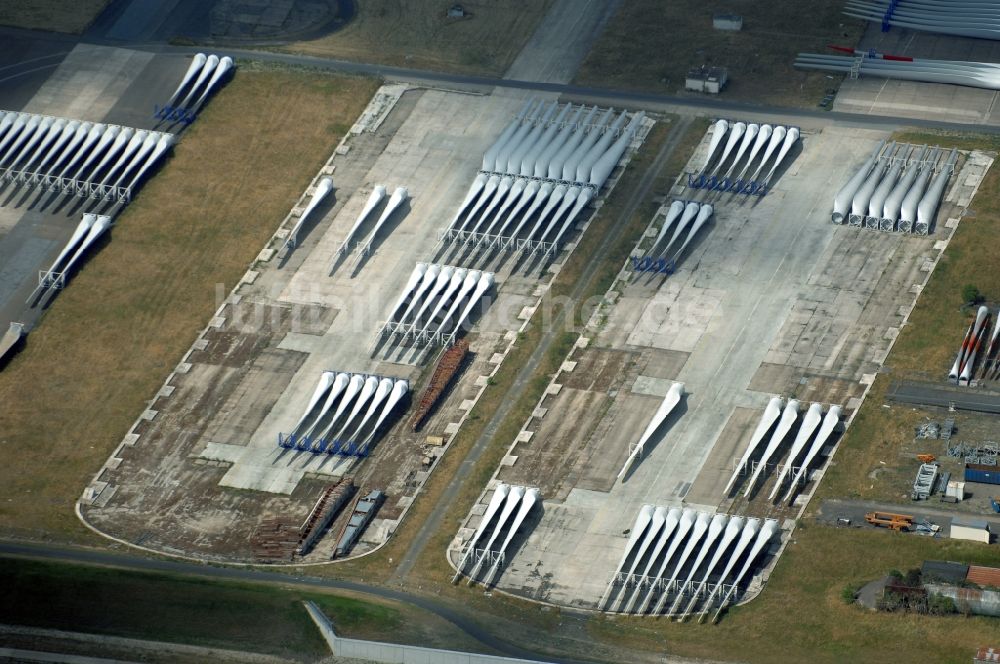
(154, 606)
(158, 606)
(649, 45)
(926, 345)
(54, 15)
(126, 319)
(418, 34)
(801, 617)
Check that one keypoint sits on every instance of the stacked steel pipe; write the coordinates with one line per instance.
(962, 18)
(447, 367)
(972, 74)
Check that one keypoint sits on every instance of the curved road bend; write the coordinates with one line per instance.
(48, 552)
(434, 521)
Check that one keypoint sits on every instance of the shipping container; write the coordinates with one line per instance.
(982, 474)
(970, 529)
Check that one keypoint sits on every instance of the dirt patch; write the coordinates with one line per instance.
(545, 460)
(598, 370)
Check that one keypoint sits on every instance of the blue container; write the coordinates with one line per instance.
(982, 474)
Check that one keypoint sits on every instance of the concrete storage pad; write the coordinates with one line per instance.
(199, 476)
(91, 83)
(772, 299)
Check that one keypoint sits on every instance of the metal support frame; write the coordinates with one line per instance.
(984, 454)
(856, 67)
(751, 467)
(343, 448)
(48, 279)
(78, 188)
(739, 186)
(476, 556)
(503, 242)
(539, 121)
(887, 17)
(677, 587)
(923, 485)
(508, 242)
(656, 266)
(347, 248)
(419, 337)
(174, 114)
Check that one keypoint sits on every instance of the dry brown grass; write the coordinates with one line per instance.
(418, 34)
(54, 15)
(126, 319)
(649, 45)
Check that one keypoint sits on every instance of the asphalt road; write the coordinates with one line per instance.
(63, 554)
(924, 394)
(621, 98)
(855, 510)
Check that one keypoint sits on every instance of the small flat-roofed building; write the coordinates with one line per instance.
(727, 22)
(943, 571)
(706, 79)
